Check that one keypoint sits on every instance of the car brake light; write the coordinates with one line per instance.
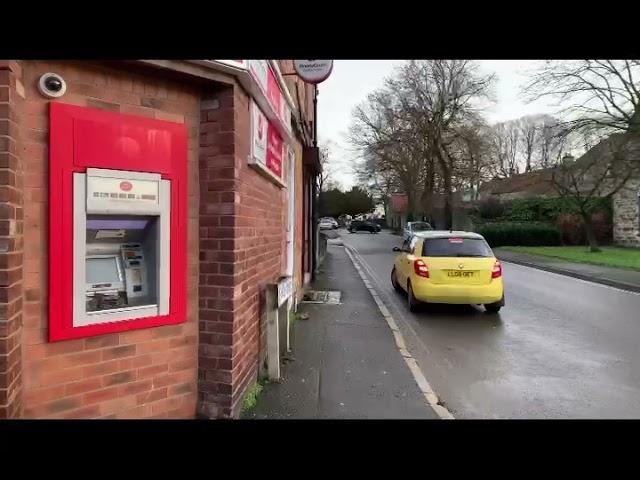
(497, 270)
(421, 269)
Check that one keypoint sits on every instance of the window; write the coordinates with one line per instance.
(456, 247)
(405, 245)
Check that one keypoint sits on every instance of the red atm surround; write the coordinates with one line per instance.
(83, 137)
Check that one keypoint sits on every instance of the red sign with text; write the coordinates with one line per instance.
(274, 151)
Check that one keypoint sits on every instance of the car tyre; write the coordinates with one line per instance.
(394, 280)
(413, 303)
(494, 307)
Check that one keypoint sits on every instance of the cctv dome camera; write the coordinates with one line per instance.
(52, 85)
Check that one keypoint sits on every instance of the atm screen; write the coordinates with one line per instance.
(102, 270)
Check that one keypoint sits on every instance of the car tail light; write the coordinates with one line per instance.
(497, 270)
(421, 269)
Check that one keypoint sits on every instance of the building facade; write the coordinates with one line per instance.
(626, 215)
(246, 227)
(625, 200)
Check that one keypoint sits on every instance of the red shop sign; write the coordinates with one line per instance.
(274, 151)
(267, 146)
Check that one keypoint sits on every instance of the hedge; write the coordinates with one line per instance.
(520, 234)
(548, 209)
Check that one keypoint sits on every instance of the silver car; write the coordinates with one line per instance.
(328, 223)
(413, 227)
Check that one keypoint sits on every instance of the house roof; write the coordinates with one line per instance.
(537, 182)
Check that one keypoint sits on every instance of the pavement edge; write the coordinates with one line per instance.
(567, 273)
(424, 386)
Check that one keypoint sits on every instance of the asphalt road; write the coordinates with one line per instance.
(560, 348)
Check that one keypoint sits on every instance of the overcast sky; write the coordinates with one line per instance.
(352, 80)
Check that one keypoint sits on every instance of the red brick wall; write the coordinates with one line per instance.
(143, 373)
(242, 248)
(11, 240)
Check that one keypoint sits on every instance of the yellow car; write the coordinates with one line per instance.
(448, 267)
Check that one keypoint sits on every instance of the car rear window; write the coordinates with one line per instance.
(456, 247)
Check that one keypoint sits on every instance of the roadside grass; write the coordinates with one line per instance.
(619, 257)
(251, 400)
(297, 316)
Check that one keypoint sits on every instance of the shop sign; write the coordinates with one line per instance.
(267, 146)
(263, 75)
(313, 71)
(273, 93)
(275, 152)
(259, 69)
(259, 134)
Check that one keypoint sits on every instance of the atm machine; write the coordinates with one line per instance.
(118, 212)
(121, 257)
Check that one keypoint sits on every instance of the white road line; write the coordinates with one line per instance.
(424, 386)
(378, 281)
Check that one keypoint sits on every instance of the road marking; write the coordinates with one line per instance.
(378, 281)
(425, 388)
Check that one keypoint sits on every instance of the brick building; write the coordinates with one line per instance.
(244, 230)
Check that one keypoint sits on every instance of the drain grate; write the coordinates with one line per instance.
(322, 296)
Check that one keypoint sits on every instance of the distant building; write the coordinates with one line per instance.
(626, 202)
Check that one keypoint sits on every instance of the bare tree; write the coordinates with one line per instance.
(601, 95)
(438, 96)
(472, 148)
(387, 145)
(529, 130)
(505, 147)
(324, 178)
(601, 172)
(548, 142)
(411, 131)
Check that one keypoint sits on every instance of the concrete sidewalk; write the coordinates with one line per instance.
(345, 361)
(614, 277)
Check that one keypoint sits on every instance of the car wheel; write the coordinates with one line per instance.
(413, 303)
(394, 280)
(493, 307)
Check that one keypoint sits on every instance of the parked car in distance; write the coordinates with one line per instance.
(363, 226)
(328, 223)
(448, 267)
(413, 227)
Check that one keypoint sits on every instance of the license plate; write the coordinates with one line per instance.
(458, 273)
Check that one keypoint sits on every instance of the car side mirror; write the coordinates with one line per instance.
(397, 249)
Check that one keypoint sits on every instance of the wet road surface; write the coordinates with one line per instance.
(560, 348)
